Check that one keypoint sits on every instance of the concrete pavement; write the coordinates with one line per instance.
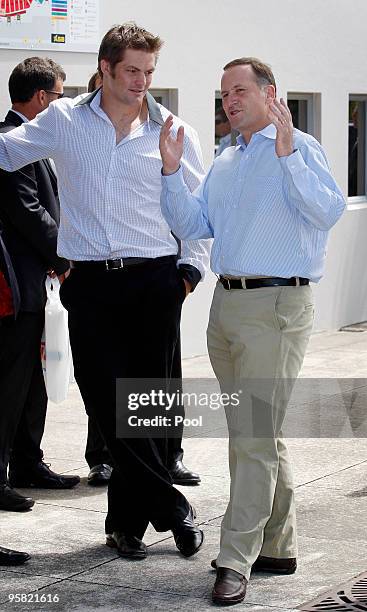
(65, 530)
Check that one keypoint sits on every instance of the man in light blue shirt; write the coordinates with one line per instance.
(268, 203)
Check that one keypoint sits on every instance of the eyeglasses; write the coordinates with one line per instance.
(57, 93)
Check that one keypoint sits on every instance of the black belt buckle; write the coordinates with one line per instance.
(114, 264)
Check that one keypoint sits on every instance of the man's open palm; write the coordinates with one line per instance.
(171, 148)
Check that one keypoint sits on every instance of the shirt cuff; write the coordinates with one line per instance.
(61, 266)
(174, 182)
(191, 274)
(293, 163)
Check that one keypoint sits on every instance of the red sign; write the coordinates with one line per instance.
(9, 8)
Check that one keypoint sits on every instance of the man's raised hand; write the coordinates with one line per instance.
(280, 116)
(171, 148)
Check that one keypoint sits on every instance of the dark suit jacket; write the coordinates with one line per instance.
(30, 213)
(6, 267)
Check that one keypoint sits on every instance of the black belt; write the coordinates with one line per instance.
(256, 283)
(120, 263)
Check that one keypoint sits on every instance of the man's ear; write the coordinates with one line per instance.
(105, 67)
(40, 97)
(270, 94)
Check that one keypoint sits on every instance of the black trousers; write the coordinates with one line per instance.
(125, 324)
(23, 399)
(96, 451)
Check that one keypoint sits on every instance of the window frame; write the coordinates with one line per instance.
(359, 201)
(313, 117)
(169, 98)
(75, 90)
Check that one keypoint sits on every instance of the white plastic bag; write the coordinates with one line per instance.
(57, 351)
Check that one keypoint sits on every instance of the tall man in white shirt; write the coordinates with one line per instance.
(268, 203)
(126, 287)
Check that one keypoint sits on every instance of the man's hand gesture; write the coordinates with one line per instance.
(171, 148)
(280, 115)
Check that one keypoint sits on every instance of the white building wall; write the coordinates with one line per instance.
(315, 46)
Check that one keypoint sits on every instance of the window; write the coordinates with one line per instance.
(306, 112)
(167, 97)
(223, 135)
(73, 92)
(357, 146)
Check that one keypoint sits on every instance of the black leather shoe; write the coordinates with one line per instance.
(275, 566)
(11, 500)
(99, 475)
(229, 588)
(188, 537)
(270, 565)
(182, 476)
(41, 477)
(127, 546)
(12, 557)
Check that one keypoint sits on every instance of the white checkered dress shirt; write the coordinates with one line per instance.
(109, 193)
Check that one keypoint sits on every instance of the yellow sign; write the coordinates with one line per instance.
(58, 38)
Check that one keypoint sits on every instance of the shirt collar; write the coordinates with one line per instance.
(268, 132)
(94, 101)
(25, 120)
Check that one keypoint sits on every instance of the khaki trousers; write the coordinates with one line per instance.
(257, 339)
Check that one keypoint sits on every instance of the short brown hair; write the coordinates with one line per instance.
(126, 36)
(263, 72)
(31, 75)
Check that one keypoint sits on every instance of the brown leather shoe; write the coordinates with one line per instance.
(270, 565)
(127, 546)
(229, 588)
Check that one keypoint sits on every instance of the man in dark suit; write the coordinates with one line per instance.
(29, 213)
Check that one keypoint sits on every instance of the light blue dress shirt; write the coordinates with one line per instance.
(268, 215)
